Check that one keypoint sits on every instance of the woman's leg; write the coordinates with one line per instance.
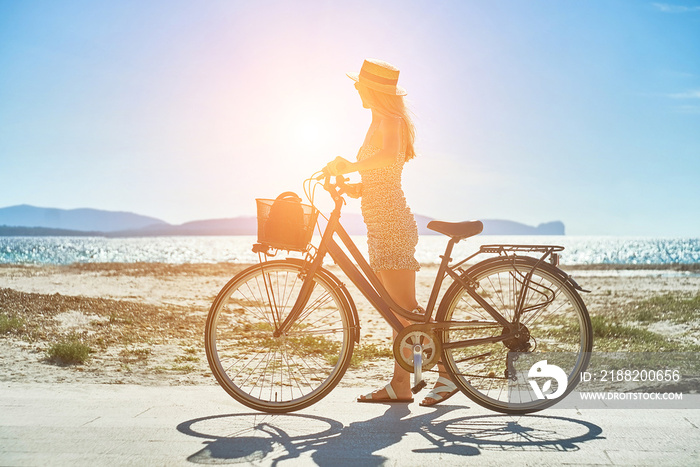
(401, 285)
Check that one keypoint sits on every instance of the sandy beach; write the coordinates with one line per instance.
(144, 322)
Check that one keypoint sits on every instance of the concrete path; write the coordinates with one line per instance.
(81, 424)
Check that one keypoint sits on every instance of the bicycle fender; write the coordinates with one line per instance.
(566, 277)
(574, 284)
(346, 294)
(533, 261)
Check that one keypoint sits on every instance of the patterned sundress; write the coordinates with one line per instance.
(392, 233)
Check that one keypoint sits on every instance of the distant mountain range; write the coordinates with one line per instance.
(75, 219)
(25, 220)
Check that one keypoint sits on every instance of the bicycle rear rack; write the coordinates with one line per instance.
(546, 250)
(504, 249)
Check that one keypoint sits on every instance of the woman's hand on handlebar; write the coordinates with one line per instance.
(338, 166)
(337, 187)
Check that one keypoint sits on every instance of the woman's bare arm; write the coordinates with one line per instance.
(390, 129)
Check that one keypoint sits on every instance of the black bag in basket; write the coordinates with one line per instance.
(285, 225)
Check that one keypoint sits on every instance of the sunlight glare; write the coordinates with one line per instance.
(311, 133)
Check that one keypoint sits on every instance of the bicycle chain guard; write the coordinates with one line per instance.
(408, 338)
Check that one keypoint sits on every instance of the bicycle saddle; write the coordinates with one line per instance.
(457, 230)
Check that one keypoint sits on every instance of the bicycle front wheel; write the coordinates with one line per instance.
(274, 372)
(554, 325)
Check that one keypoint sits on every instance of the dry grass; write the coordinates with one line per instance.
(122, 336)
(156, 269)
(627, 328)
(125, 322)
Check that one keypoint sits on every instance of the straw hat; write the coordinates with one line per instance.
(380, 76)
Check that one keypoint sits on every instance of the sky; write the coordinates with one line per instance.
(527, 110)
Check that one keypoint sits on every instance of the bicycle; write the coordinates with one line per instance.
(280, 334)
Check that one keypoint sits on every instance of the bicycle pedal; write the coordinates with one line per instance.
(417, 388)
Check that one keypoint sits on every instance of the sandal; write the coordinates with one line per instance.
(446, 385)
(389, 391)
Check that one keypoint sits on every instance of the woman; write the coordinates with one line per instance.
(392, 233)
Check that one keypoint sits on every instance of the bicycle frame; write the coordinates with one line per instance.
(364, 278)
(371, 287)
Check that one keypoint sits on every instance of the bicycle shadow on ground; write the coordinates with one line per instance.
(239, 438)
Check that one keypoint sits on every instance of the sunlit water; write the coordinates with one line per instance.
(578, 250)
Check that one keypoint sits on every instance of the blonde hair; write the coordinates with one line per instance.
(395, 106)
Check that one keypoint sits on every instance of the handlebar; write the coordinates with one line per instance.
(321, 175)
(335, 188)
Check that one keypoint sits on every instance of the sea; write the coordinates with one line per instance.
(578, 250)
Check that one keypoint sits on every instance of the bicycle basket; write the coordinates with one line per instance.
(285, 223)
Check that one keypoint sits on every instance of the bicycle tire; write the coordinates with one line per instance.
(556, 324)
(279, 374)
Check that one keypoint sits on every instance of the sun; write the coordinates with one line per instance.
(311, 132)
(308, 135)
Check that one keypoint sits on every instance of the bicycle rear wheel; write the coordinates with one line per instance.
(554, 326)
(281, 373)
